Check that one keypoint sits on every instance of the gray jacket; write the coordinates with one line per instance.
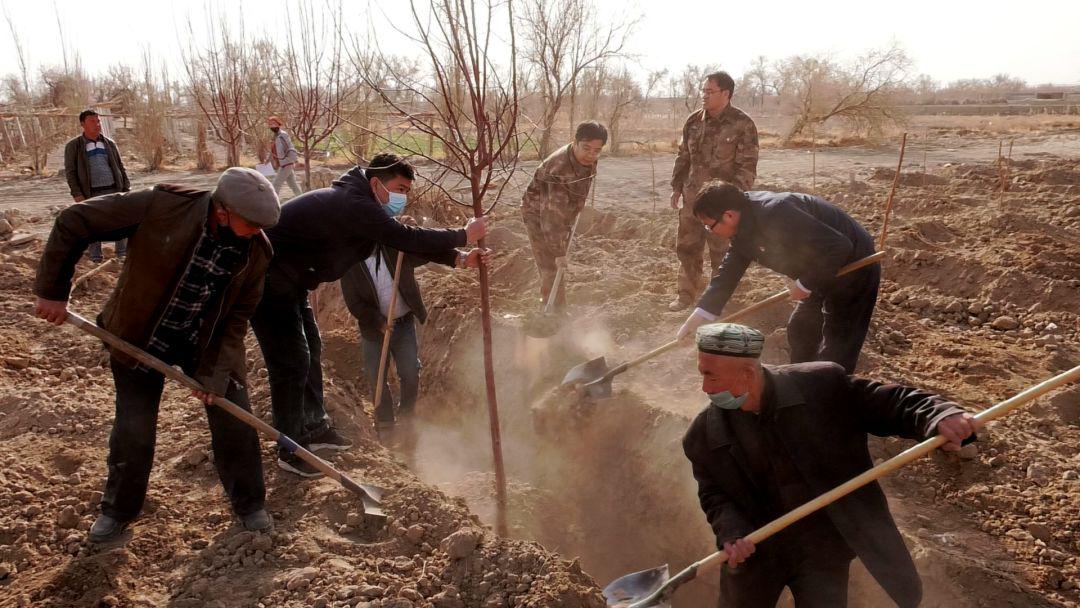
(77, 167)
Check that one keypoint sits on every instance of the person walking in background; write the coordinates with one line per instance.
(283, 157)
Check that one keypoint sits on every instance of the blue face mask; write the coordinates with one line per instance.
(727, 401)
(395, 202)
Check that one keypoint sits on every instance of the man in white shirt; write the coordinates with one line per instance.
(367, 288)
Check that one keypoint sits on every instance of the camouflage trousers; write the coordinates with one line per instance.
(690, 246)
(548, 244)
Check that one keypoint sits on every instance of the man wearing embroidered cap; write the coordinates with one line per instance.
(193, 277)
(809, 240)
(774, 437)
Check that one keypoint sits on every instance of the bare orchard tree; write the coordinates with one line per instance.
(862, 94)
(561, 39)
(149, 107)
(470, 107)
(260, 96)
(622, 93)
(310, 76)
(217, 74)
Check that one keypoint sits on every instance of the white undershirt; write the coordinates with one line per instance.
(384, 285)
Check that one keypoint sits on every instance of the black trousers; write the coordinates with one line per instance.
(289, 339)
(815, 568)
(134, 433)
(832, 326)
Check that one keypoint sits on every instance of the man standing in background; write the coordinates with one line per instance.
(93, 167)
(283, 157)
(719, 141)
(554, 199)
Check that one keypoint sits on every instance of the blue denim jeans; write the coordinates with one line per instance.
(405, 351)
(94, 251)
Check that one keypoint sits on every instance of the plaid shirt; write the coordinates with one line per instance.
(209, 271)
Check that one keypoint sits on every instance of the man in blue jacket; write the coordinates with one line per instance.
(807, 239)
(321, 235)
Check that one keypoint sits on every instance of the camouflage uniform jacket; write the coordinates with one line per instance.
(557, 194)
(721, 147)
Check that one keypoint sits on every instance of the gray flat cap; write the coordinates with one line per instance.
(250, 195)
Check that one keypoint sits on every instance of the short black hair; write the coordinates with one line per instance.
(716, 197)
(85, 113)
(723, 80)
(590, 130)
(387, 165)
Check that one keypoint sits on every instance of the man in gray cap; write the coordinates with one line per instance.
(774, 437)
(192, 279)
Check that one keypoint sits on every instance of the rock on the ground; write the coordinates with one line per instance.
(1005, 323)
(462, 543)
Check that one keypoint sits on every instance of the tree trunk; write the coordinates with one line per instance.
(307, 166)
(489, 377)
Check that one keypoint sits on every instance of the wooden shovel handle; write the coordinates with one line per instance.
(549, 307)
(381, 376)
(890, 465)
(370, 495)
(769, 301)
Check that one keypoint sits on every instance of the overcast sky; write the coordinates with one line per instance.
(1036, 40)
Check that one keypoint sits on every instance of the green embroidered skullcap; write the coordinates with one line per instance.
(730, 340)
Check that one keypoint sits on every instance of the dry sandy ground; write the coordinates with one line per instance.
(605, 480)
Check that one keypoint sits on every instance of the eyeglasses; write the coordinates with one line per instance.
(708, 92)
(709, 227)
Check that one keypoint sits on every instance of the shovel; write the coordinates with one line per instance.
(596, 377)
(548, 323)
(653, 587)
(369, 494)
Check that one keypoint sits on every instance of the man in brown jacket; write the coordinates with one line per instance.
(555, 197)
(772, 438)
(719, 141)
(192, 281)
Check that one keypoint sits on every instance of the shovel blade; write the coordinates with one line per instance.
(632, 588)
(585, 373)
(599, 388)
(542, 325)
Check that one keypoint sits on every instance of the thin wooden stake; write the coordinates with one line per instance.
(381, 377)
(892, 193)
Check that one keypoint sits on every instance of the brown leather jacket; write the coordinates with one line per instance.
(162, 226)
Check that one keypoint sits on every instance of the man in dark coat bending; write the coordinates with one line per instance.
(774, 437)
(809, 240)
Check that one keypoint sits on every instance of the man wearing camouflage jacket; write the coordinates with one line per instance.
(719, 141)
(555, 197)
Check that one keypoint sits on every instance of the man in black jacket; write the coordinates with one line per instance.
(774, 437)
(807, 239)
(320, 235)
(367, 288)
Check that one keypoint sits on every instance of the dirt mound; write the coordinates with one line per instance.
(186, 550)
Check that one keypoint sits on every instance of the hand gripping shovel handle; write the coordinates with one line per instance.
(370, 495)
(773, 299)
(381, 380)
(881, 470)
(550, 306)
